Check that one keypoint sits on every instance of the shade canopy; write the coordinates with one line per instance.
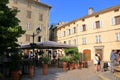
(47, 45)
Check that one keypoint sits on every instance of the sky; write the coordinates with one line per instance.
(69, 10)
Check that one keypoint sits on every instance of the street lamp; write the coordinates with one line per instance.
(33, 36)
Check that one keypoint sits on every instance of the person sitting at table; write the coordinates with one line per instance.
(113, 59)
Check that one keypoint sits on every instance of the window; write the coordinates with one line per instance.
(28, 25)
(83, 27)
(74, 29)
(64, 42)
(97, 24)
(41, 17)
(27, 37)
(39, 39)
(117, 20)
(69, 42)
(29, 14)
(74, 41)
(98, 39)
(118, 36)
(83, 41)
(69, 31)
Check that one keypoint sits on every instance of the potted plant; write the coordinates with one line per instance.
(85, 63)
(71, 63)
(45, 61)
(16, 64)
(76, 58)
(30, 68)
(64, 60)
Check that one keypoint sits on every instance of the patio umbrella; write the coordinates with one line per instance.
(47, 45)
(52, 45)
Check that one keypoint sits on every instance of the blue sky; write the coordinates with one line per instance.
(68, 10)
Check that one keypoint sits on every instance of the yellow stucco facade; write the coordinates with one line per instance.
(32, 14)
(97, 32)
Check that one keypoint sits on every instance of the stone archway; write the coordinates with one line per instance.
(87, 52)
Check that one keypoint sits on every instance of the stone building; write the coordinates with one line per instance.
(32, 14)
(97, 32)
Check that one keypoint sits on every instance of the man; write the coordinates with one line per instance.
(113, 59)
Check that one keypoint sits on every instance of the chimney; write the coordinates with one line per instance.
(90, 11)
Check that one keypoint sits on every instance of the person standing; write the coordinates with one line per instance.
(96, 59)
(99, 62)
(113, 60)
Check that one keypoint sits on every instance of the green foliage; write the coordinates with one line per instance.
(85, 56)
(64, 59)
(16, 61)
(10, 30)
(45, 60)
(71, 51)
(76, 57)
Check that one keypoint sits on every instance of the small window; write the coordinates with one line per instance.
(83, 41)
(64, 42)
(98, 39)
(117, 20)
(84, 27)
(69, 42)
(74, 29)
(74, 41)
(28, 25)
(39, 39)
(29, 14)
(28, 37)
(118, 36)
(97, 24)
(41, 17)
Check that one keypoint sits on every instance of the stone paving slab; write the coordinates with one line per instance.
(58, 74)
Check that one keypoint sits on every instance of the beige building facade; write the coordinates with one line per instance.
(98, 32)
(32, 14)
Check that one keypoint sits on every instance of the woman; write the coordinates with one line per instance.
(96, 59)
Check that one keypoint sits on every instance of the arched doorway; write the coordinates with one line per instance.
(87, 54)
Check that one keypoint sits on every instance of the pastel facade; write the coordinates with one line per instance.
(33, 15)
(98, 32)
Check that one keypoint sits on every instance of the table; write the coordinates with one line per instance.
(117, 69)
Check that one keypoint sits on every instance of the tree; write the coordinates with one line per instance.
(10, 30)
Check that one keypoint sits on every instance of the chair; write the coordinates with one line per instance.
(117, 75)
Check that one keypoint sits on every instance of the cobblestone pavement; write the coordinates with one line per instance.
(58, 74)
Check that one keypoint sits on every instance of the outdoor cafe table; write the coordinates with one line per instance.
(117, 68)
(117, 72)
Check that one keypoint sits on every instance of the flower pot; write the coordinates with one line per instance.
(76, 66)
(15, 75)
(71, 66)
(45, 69)
(31, 71)
(64, 65)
